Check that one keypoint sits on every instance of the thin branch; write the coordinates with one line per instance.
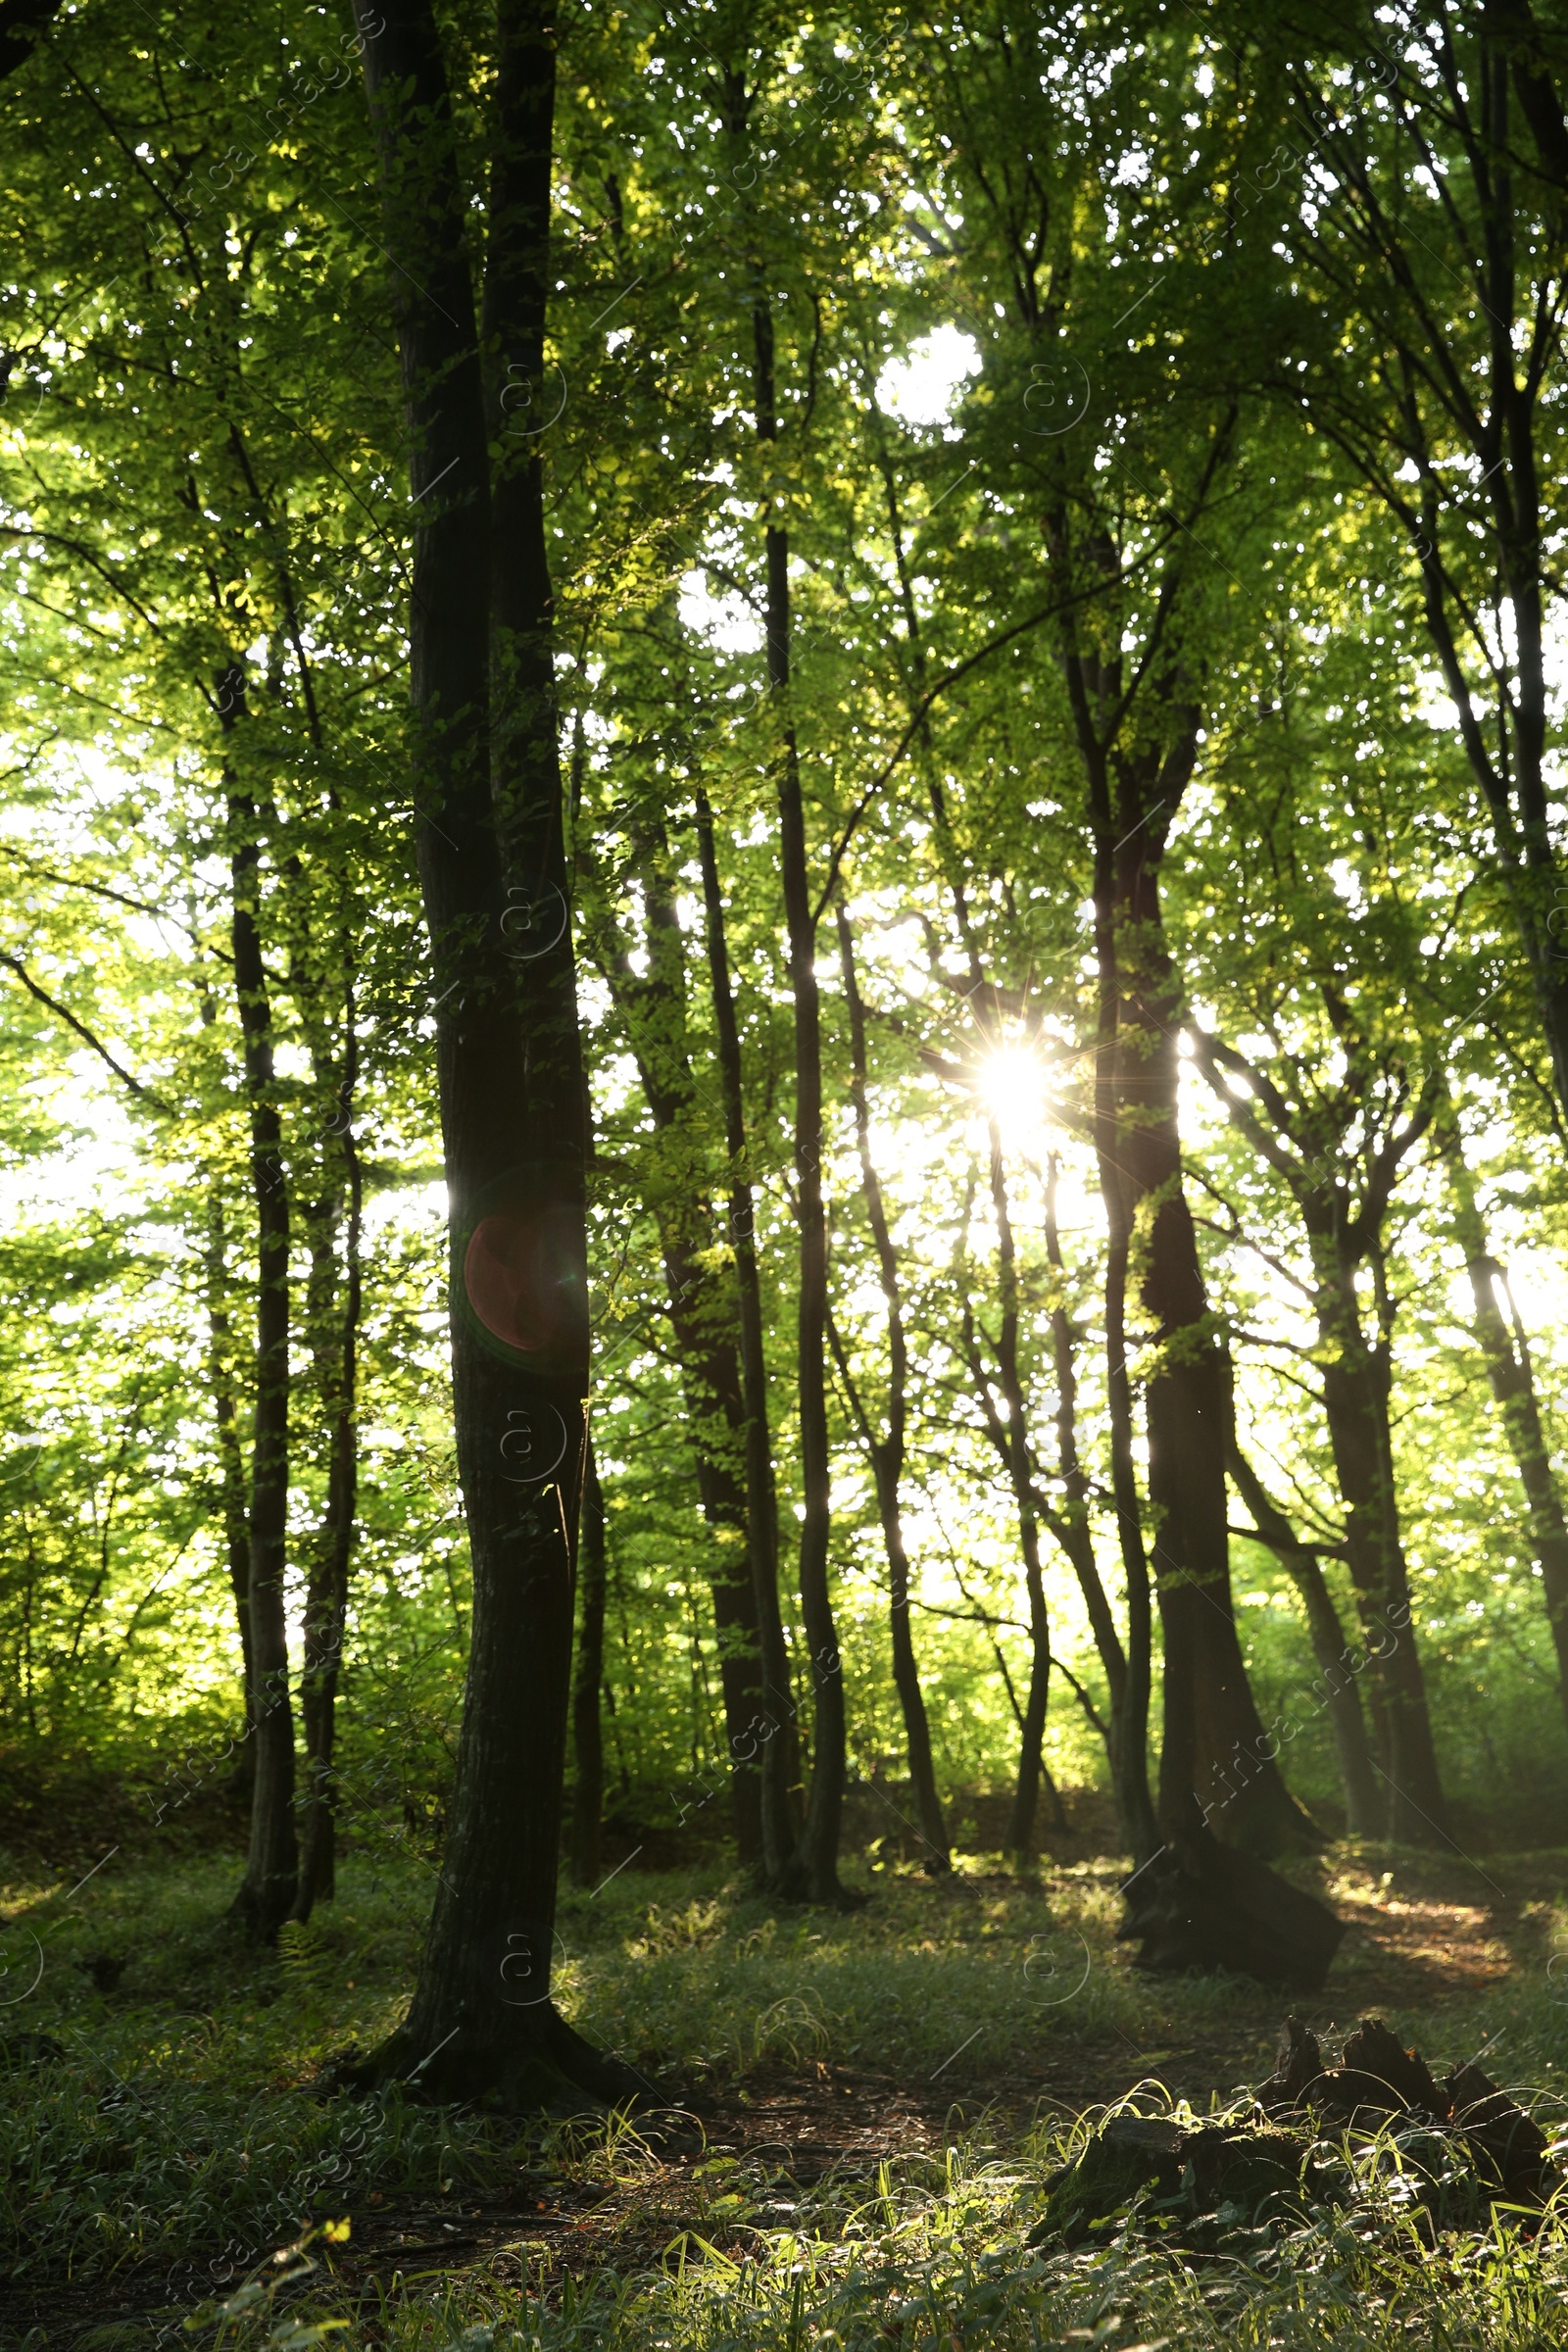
(61, 1012)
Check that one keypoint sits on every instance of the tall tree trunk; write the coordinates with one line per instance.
(1301, 1139)
(775, 1747)
(887, 1451)
(267, 1889)
(819, 1839)
(1127, 1751)
(337, 1371)
(231, 1473)
(588, 1673)
(222, 1372)
(494, 881)
(1364, 1807)
(1011, 1439)
(1129, 1760)
(1211, 1716)
(1356, 1399)
(1506, 1351)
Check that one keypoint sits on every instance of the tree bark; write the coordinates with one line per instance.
(887, 1451)
(1137, 750)
(267, 1891)
(1506, 1351)
(587, 1723)
(494, 882)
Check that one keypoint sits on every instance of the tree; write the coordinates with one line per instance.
(886, 1450)
(1427, 228)
(494, 878)
(1505, 1348)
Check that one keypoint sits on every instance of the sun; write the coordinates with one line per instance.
(1012, 1085)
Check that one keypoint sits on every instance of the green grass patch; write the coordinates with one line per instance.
(183, 2126)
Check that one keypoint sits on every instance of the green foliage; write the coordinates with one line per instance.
(1214, 434)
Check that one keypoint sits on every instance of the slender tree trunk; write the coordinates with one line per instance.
(267, 1891)
(1074, 1534)
(1130, 1751)
(1209, 1712)
(1012, 1443)
(222, 1368)
(887, 1451)
(983, 1001)
(1364, 1808)
(327, 1598)
(1355, 1376)
(653, 1011)
(1129, 1760)
(231, 1471)
(1506, 1351)
(776, 1746)
(1356, 1399)
(494, 880)
(819, 1840)
(587, 1724)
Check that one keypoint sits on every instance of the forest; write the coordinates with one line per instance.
(784, 1112)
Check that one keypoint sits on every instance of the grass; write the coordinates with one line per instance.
(181, 2141)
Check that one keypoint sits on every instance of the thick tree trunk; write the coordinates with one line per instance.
(1364, 1808)
(588, 1673)
(1509, 1370)
(337, 1322)
(1211, 1722)
(1133, 793)
(267, 1889)
(886, 1454)
(1356, 1399)
(775, 1747)
(494, 881)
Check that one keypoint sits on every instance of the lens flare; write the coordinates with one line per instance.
(1012, 1085)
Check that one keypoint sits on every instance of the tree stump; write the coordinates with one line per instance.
(1314, 2137)
(1203, 1906)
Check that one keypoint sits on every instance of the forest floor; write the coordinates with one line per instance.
(164, 2126)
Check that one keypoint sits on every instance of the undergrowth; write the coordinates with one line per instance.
(163, 2107)
(939, 2257)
